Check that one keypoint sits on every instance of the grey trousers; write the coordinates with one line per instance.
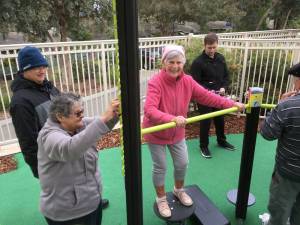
(284, 202)
(179, 155)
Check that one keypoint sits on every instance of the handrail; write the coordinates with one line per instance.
(268, 106)
(189, 120)
(194, 119)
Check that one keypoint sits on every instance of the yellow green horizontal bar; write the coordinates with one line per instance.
(268, 106)
(198, 118)
(189, 120)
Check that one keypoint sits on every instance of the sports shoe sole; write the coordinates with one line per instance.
(227, 148)
(206, 156)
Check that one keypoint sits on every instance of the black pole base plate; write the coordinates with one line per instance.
(232, 197)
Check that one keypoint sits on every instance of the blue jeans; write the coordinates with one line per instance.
(94, 218)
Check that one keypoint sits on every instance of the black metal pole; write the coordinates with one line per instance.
(247, 162)
(130, 93)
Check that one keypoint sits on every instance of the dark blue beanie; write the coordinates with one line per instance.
(30, 57)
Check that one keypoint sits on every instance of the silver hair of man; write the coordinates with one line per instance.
(62, 105)
(173, 54)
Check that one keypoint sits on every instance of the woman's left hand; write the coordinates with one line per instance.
(180, 121)
(111, 111)
(240, 106)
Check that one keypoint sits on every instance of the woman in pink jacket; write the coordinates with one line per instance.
(168, 96)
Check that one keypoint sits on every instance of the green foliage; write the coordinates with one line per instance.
(80, 72)
(81, 34)
(233, 66)
(294, 23)
(285, 11)
(269, 72)
(166, 12)
(68, 17)
(254, 10)
(31, 17)
(192, 50)
(10, 65)
(195, 47)
(6, 103)
(244, 15)
(6, 17)
(5, 96)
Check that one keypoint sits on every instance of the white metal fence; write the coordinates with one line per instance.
(89, 68)
(270, 34)
(261, 62)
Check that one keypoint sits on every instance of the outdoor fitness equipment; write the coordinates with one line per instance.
(203, 211)
(129, 77)
(241, 197)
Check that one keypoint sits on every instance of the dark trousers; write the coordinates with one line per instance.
(284, 201)
(205, 125)
(94, 218)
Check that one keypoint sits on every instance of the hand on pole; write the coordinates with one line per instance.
(180, 121)
(240, 106)
(222, 91)
(111, 111)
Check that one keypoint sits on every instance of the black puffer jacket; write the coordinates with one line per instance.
(212, 73)
(29, 111)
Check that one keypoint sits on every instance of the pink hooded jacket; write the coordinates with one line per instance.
(168, 97)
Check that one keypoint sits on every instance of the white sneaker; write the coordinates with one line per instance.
(183, 197)
(163, 207)
(264, 218)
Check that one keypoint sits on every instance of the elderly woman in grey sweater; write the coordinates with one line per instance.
(67, 162)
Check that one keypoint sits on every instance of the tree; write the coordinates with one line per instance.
(245, 15)
(36, 17)
(273, 4)
(6, 17)
(224, 10)
(285, 11)
(165, 12)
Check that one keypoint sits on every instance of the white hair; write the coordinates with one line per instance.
(173, 54)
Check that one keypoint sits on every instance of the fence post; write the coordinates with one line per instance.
(104, 74)
(244, 71)
(189, 38)
(296, 58)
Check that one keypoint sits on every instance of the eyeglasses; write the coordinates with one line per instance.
(79, 113)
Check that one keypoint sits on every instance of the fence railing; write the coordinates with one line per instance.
(89, 68)
(270, 34)
(263, 63)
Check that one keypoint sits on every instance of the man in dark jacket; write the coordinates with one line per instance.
(32, 94)
(283, 124)
(210, 70)
(29, 107)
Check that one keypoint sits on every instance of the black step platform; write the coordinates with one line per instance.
(203, 210)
